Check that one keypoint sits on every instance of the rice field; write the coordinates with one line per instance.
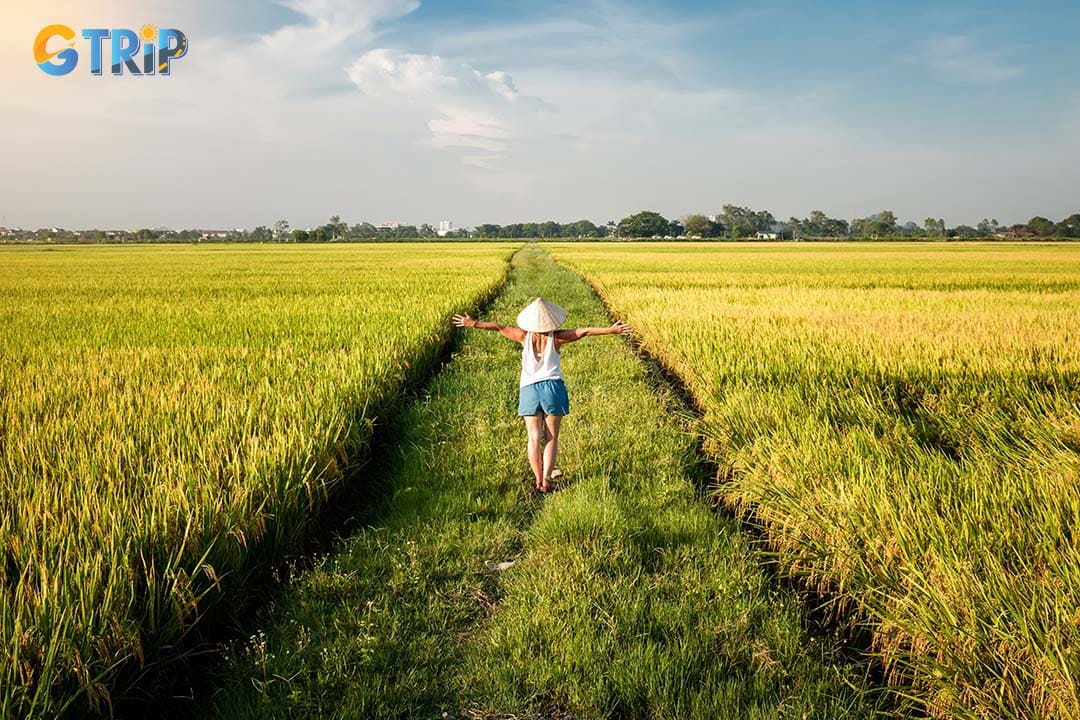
(621, 596)
(171, 416)
(904, 421)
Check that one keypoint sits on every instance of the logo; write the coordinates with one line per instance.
(149, 51)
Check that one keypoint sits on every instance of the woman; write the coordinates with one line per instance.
(543, 400)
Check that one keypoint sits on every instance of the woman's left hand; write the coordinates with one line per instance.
(463, 321)
(622, 328)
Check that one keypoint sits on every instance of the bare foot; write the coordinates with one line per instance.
(551, 484)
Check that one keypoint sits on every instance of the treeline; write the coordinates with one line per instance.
(337, 230)
(741, 223)
(732, 223)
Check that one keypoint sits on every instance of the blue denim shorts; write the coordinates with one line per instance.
(547, 396)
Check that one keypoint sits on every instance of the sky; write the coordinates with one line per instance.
(480, 111)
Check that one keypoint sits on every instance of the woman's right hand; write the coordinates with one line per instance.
(463, 321)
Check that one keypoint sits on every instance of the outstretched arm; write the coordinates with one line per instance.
(514, 333)
(569, 336)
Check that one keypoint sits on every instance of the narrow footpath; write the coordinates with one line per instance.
(468, 595)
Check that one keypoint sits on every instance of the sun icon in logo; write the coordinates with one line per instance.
(148, 33)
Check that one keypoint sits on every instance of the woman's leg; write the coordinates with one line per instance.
(551, 450)
(534, 425)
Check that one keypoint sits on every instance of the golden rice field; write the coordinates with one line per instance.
(168, 415)
(905, 422)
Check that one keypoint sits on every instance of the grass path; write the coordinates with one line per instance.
(628, 597)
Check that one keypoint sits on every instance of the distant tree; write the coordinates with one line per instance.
(912, 229)
(580, 229)
(643, 224)
(336, 229)
(675, 228)
(880, 225)
(884, 224)
(764, 221)
(702, 226)
(1069, 227)
(549, 229)
(406, 232)
(364, 231)
(743, 222)
(488, 230)
(819, 225)
(934, 228)
(794, 225)
(427, 231)
(738, 221)
(281, 230)
(262, 234)
(1041, 226)
(299, 235)
(860, 227)
(987, 227)
(965, 232)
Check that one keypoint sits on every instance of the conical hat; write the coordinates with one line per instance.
(541, 316)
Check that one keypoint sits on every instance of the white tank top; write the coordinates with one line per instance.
(546, 367)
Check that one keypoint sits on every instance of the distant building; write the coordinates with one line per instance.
(765, 235)
(392, 225)
(445, 228)
(1016, 231)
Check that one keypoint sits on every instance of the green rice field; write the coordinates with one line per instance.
(904, 422)
(888, 435)
(169, 415)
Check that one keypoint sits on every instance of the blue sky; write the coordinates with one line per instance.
(503, 111)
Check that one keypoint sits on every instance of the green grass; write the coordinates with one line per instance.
(170, 418)
(629, 597)
(904, 420)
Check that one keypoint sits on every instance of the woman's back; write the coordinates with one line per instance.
(536, 367)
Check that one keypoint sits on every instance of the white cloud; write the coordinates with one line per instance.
(478, 114)
(964, 58)
(385, 70)
(382, 71)
(460, 127)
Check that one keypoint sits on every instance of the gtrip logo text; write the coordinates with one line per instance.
(148, 51)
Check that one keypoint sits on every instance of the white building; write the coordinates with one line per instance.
(392, 225)
(445, 227)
